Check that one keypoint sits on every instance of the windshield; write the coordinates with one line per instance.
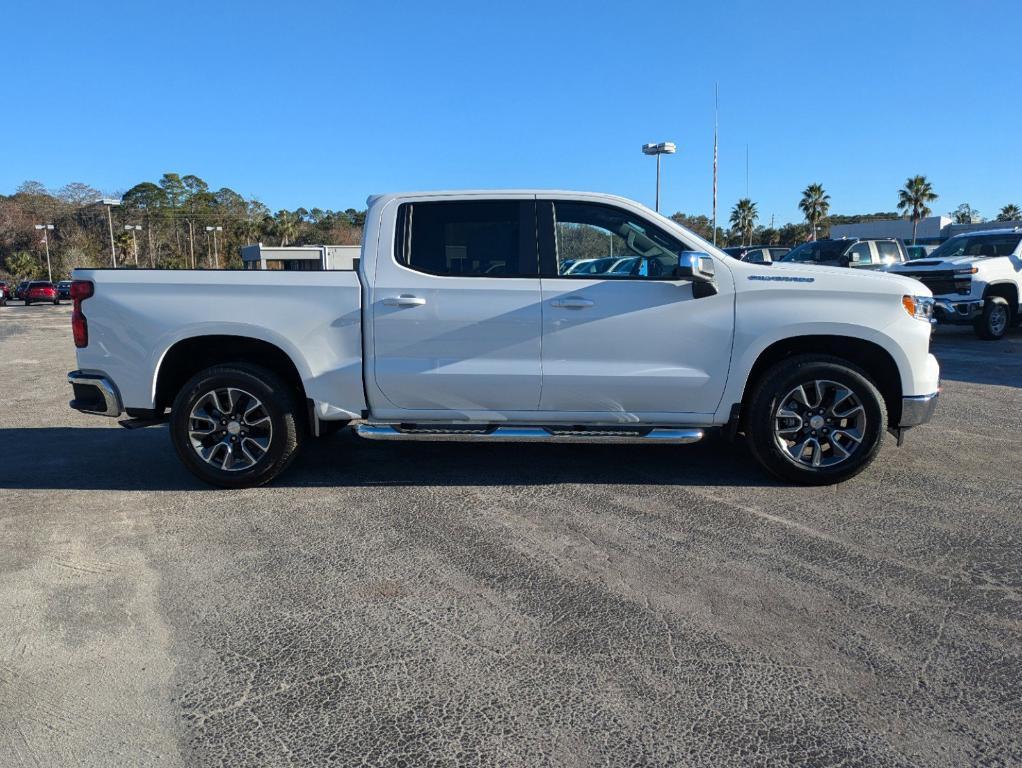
(978, 245)
(818, 252)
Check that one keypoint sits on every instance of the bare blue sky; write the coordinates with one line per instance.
(323, 103)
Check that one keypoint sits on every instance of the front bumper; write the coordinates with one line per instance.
(952, 311)
(94, 393)
(918, 409)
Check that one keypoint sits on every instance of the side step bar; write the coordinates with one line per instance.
(550, 434)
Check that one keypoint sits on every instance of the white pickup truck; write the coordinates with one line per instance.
(976, 277)
(464, 322)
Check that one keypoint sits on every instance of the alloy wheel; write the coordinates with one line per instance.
(230, 429)
(820, 424)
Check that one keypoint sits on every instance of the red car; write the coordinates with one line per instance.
(5, 293)
(40, 291)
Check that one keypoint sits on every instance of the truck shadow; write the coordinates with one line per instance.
(113, 459)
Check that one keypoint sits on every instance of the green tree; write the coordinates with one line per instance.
(1010, 212)
(24, 266)
(964, 214)
(285, 226)
(743, 219)
(815, 205)
(913, 200)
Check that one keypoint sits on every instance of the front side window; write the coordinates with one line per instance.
(600, 241)
(490, 238)
(859, 255)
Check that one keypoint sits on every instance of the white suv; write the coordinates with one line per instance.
(976, 278)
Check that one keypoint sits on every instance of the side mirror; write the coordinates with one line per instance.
(697, 267)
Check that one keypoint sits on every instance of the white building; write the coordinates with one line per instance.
(302, 257)
(929, 230)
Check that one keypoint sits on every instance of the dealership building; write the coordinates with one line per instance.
(300, 258)
(932, 229)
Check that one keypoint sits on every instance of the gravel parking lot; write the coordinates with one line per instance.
(441, 604)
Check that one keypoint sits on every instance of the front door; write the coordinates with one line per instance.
(629, 339)
(456, 310)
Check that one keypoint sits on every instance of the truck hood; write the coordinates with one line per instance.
(937, 265)
(842, 278)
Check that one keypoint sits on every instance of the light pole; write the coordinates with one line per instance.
(46, 228)
(133, 228)
(216, 253)
(663, 148)
(110, 202)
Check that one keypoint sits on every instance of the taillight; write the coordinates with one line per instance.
(80, 291)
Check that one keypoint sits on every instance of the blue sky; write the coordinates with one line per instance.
(322, 103)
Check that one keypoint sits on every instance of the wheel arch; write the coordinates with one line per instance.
(871, 357)
(187, 356)
(1007, 290)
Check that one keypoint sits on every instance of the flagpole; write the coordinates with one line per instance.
(715, 121)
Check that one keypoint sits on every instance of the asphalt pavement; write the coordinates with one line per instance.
(509, 605)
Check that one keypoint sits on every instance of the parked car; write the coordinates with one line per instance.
(589, 266)
(976, 277)
(64, 289)
(812, 365)
(19, 292)
(919, 251)
(5, 293)
(41, 291)
(858, 253)
(757, 254)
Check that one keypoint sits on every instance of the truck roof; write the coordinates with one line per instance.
(498, 193)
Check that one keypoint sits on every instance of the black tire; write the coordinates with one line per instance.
(777, 383)
(280, 404)
(56, 302)
(27, 302)
(995, 320)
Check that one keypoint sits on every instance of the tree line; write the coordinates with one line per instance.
(177, 222)
(914, 200)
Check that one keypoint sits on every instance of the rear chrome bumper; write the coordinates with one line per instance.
(94, 393)
(918, 409)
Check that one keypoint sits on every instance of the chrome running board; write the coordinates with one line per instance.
(548, 434)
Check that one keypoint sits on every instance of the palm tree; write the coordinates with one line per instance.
(815, 204)
(743, 218)
(286, 225)
(1010, 212)
(913, 199)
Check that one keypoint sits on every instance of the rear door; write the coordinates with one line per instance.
(456, 309)
(627, 343)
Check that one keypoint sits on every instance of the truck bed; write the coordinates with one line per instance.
(136, 316)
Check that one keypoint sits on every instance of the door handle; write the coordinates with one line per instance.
(404, 301)
(572, 303)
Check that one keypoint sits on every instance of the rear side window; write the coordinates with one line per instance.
(888, 251)
(490, 238)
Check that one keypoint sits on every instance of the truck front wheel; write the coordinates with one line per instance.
(994, 322)
(235, 426)
(815, 420)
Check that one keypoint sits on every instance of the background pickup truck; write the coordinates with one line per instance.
(976, 278)
(465, 321)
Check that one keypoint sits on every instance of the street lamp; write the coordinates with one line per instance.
(46, 228)
(216, 253)
(133, 228)
(663, 148)
(110, 202)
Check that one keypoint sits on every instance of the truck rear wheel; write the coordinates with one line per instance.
(815, 420)
(236, 425)
(994, 322)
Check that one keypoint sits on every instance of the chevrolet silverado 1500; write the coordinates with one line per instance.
(465, 321)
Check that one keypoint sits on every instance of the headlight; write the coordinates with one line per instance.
(920, 307)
